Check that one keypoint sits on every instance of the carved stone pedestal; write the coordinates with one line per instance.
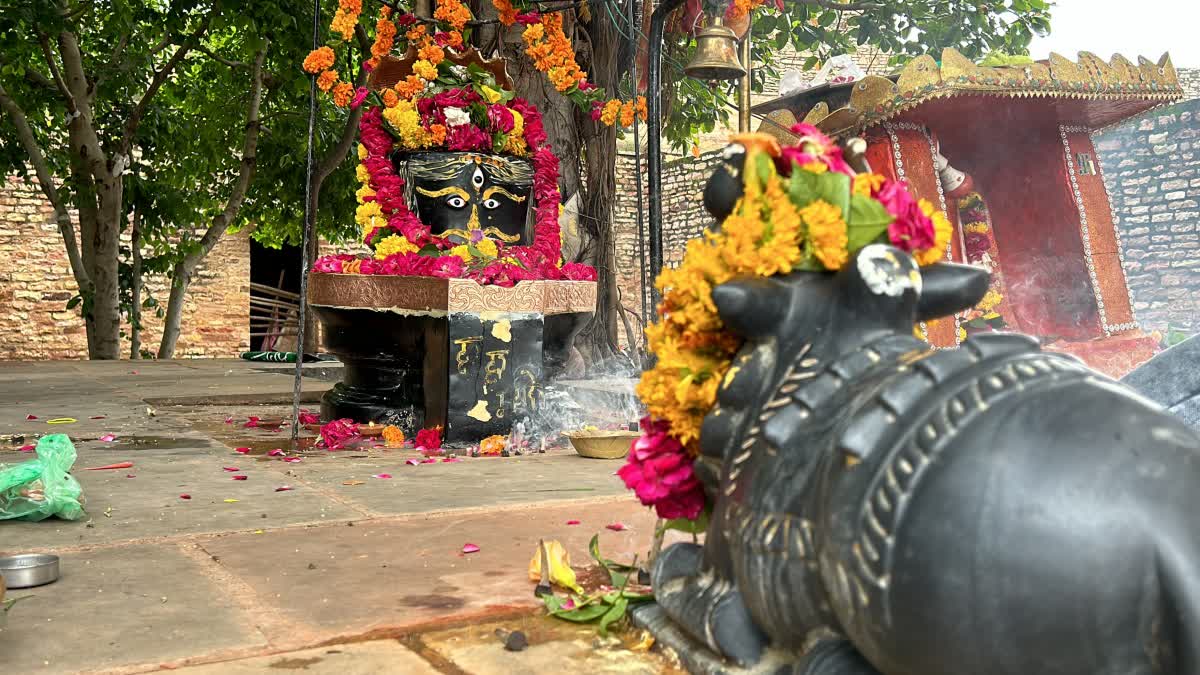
(421, 352)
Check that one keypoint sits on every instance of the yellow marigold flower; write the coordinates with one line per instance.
(532, 33)
(407, 123)
(361, 173)
(390, 98)
(989, 301)
(318, 60)
(392, 244)
(362, 151)
(462, 252)
(980, 228)
(942, 232)
(826, 233)
(962, 334)
(425, 70)
(342, 94)
(627, 113)
(327, 79)
(611, 110)
(488, 248)
(515, 145)
(815, 167)
(867, 183)
(369, 216)
(363, 192)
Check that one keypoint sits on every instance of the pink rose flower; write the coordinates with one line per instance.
(501, 118)
(338, 434)
(976, 244)
(359, 96)
(659, 471)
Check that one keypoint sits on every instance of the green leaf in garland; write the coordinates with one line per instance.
(834, 188)
(764, 168)
(868, 221)
(697, 526)
(614, 614)
(802, 187)
(583, 614)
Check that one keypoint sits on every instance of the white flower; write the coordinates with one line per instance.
(457, 117)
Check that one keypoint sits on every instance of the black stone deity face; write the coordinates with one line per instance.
(463, 196)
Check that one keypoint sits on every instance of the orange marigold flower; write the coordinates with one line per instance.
(327, 79)
(454, 39)
(437, 133)
(610, 112)
(410, 87)
(393, 437)
(826, 233)
(415, 33)
(551, 52)
(390, 99)
(431, 53)
(318, 60)
(508, 13)
(942, 231)
(346, 18)
(627, 113)
(453, 12)
(342, 94)
(385, 34)
(641, 108)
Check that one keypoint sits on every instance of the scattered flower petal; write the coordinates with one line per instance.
(381, 475)
(231, 501)
(569, 604)
(572, 522)
(118, 465)
(242, 451)
(27, 448)
(283, 488)
(251, 422)
(229, 420)
(354, 482)
(231, 469)
(412, 462)
(307, 417)
(338, 434)
(431, 460)
(446, 460)
(291, 460)
(131, 475)
(185, 496)
(276, 453)
(96, 417)
(30, 417)
(240, 477)
(107, 438)
(470, 548)
(617, 527)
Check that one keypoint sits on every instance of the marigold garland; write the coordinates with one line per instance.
(318, 60)
(552, 53)
(346, 18)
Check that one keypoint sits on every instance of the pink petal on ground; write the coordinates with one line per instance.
(283, 488)
(185, 496)
(412, 462)
(251, 423)
(242, 451)
(291, 459)
(229, 420)
(276, 453)
(231, 469)
(107, 438)
(131, 475)
(451, 459)
(27, 448)
(381, 475)
(429, 461)
(31, 417)
(240, 477)
(96, 417)
(617, 527)
(572, 522)
(470, 548)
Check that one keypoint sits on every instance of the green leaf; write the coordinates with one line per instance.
(74, 302)
(834, 188)
(618, 573)
(583, 614)
(867, 221)
(802, 188)
(614, 614)
(697, 526)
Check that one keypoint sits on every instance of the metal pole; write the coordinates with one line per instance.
(637, 177)
(658, 23)
(307, 236)
(744, 89)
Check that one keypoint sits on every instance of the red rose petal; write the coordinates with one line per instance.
(231, 469)
(451, 459)
(242, 451)
(291, 460)
(27, 448)
(382, 475)
(412, 462)
(617, 527)
(229, 420)
(572, 522)
(283, 488)
(470, 548)
(131, 475)
(96, 417)
(240, 477)
(185, 496)
(31, 417)
(276, 453)
(107, 438)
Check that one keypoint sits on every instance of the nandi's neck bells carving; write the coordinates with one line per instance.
(989, 510)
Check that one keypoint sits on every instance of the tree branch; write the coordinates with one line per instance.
(61, 214)
(221, 59)
(160, 78)
(840, 6)
(44, 41)
(85, 144)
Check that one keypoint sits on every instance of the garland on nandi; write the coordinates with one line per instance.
(802, 208)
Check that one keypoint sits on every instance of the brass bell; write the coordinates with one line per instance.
(716, 54)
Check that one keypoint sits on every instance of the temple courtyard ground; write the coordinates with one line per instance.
(349, 571)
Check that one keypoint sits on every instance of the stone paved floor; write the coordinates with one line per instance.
(344, 573)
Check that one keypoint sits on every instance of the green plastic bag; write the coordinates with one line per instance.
(42, 487)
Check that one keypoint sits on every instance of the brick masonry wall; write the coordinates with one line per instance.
(1151, 169)
(36, 283)
(1189, 78)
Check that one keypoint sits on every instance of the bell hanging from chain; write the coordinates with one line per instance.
(716, 54)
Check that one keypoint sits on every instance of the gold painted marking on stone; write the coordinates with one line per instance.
(497, 190)
(453, 190)
(905, 466)
(872, 553)
(730, 489)
(746, 444)
(809, 363)
(874, 522)
(882, 499)
(462, 358)
(502, 330)
(480, 412)
(742, 457)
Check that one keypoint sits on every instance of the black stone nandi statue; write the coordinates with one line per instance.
(881, 507)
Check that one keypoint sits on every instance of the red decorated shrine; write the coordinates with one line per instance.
(1007, 153)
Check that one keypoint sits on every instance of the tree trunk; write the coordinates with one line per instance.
(135, 308)
(106, 304)
(600, 154)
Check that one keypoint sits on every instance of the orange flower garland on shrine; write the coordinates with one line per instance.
(552, 53)
(346, 18)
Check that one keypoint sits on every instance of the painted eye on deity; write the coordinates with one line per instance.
(456, 202)
(477, 178)
(491, 204)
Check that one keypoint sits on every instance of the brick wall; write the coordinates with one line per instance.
(1151, 168)
(1189, 78)
(36, 283)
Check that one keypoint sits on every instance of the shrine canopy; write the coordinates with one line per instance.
(1089, 92)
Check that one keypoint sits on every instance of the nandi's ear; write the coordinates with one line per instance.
(751, 307)
(949, 288)
(724, 187)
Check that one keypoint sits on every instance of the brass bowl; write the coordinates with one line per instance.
(603, 444)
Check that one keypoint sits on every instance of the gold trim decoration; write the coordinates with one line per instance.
(428, 294)
(875, 99)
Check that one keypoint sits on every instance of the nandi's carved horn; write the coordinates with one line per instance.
(949, 288)
(751, 307)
